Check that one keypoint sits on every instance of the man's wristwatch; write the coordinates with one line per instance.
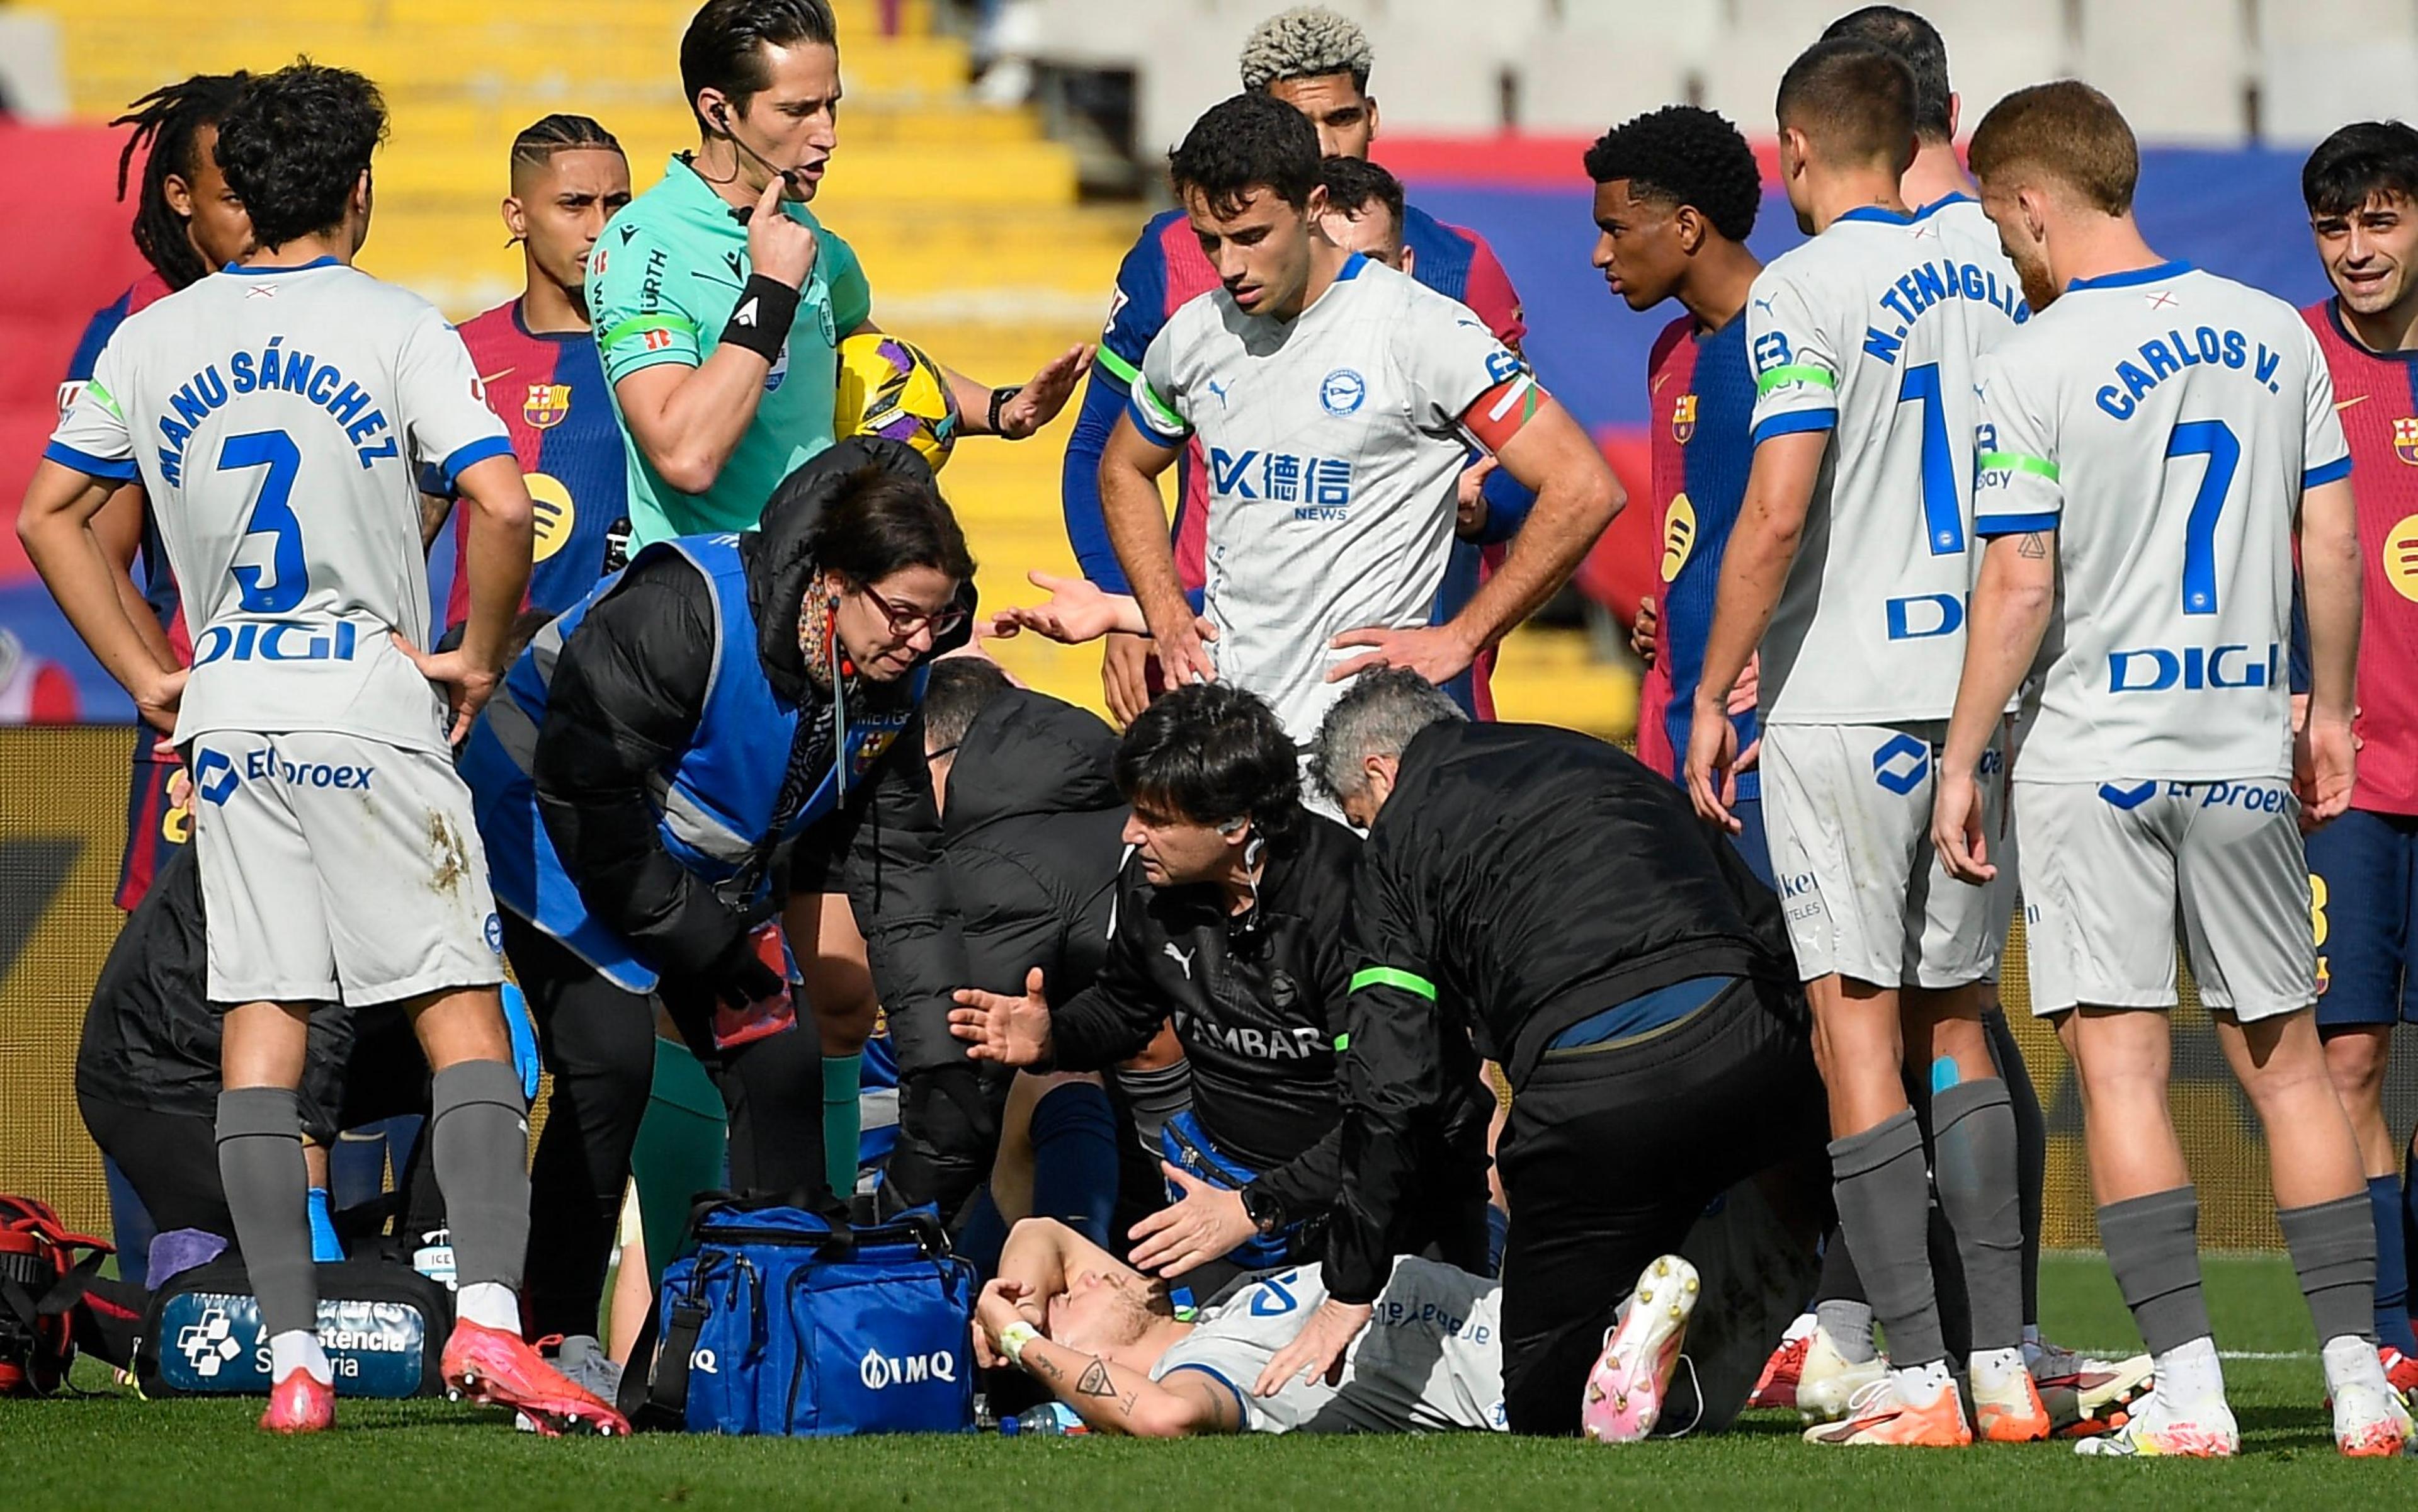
(1001, 398)
(1264, 1209)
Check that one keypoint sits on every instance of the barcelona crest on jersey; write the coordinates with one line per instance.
(546, 404)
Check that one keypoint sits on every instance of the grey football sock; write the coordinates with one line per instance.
(260, 1163)
(1849, 1326)
(2153, 1247)
(1973, 1165)
(2334, 1250)
(1884, 1197)
(477, 1127)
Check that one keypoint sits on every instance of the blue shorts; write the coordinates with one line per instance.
(1750, 841)
(2361, 889)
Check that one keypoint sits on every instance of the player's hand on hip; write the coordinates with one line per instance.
(1435, 652)
(1956, 830)
(156, 700)
(1045, 393)
(1011, 1031)
(1124, 676)
(1641, 630)
(1318, 1349)
(467, 684)
(1207, 1222)
(1712, 764)
(2325, 756)
(781, 247)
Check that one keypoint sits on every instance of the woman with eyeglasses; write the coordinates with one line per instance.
(729, 722)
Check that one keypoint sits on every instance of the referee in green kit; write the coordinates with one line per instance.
(719, 301)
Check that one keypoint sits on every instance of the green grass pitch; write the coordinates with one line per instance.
(112, 1451)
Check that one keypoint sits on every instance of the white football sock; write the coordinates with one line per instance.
(1920, 1386)
(2190, 1375)
(1993, 1371)
(490, 1304)
(298, 1350)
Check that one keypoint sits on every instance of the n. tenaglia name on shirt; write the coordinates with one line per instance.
(1934, 284)
(278, 369)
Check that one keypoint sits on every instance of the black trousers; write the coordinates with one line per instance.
(1609, 1156)
(599, 1040)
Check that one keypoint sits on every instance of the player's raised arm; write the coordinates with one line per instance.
(687, 416)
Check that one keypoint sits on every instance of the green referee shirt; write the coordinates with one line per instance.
(661, 285)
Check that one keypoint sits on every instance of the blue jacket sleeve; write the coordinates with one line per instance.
(1507, 503)
(1135, 317)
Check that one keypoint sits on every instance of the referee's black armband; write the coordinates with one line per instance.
(761, 321)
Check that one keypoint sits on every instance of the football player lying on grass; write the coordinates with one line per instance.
(1104, 1339)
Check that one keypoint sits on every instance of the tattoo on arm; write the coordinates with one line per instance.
(1048, 1368)
(2031, 547)
(1096, 1381)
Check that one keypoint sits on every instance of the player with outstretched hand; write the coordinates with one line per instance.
(1339, 401)
(1846, 572)
(278, 414)
(1317, 62)
(719, 298)
(2152, 444)
(2362, 189)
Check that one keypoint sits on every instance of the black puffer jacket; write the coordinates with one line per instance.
(1030, 838)
(1519, 880)
(628, 689)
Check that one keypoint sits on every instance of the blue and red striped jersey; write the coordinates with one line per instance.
(1700, 395)
(1165, 269)
(548, 388)
(2376, 395)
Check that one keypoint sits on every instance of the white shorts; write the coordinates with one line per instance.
(2111, 870)
(1847, 808)
(334, 865)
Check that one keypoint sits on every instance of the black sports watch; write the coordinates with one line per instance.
(1001, 398)
(1266, 1211)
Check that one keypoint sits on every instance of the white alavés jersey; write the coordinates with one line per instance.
(1431, 1358)
(1870, 331)
(1334, 443)
(279, 420)
(2162, 423)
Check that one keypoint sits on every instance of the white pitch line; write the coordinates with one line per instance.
(2117, 1353)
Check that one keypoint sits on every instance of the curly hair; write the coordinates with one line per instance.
(1684, 155)
(169, 120)
(1212, 753)
(1304, 44)
(1245, 143)
(296, 143)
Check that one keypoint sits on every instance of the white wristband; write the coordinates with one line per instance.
(1012, 1341)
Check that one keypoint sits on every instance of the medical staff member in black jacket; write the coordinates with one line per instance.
(728, 708)
(1230, 918)
(1538, 897)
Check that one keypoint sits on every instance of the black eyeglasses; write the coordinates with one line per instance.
(905, 618)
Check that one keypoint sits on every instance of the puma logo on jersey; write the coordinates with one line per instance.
(1181, 958)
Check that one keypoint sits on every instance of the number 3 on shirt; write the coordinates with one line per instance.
(2215, 440)
(279, 586)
